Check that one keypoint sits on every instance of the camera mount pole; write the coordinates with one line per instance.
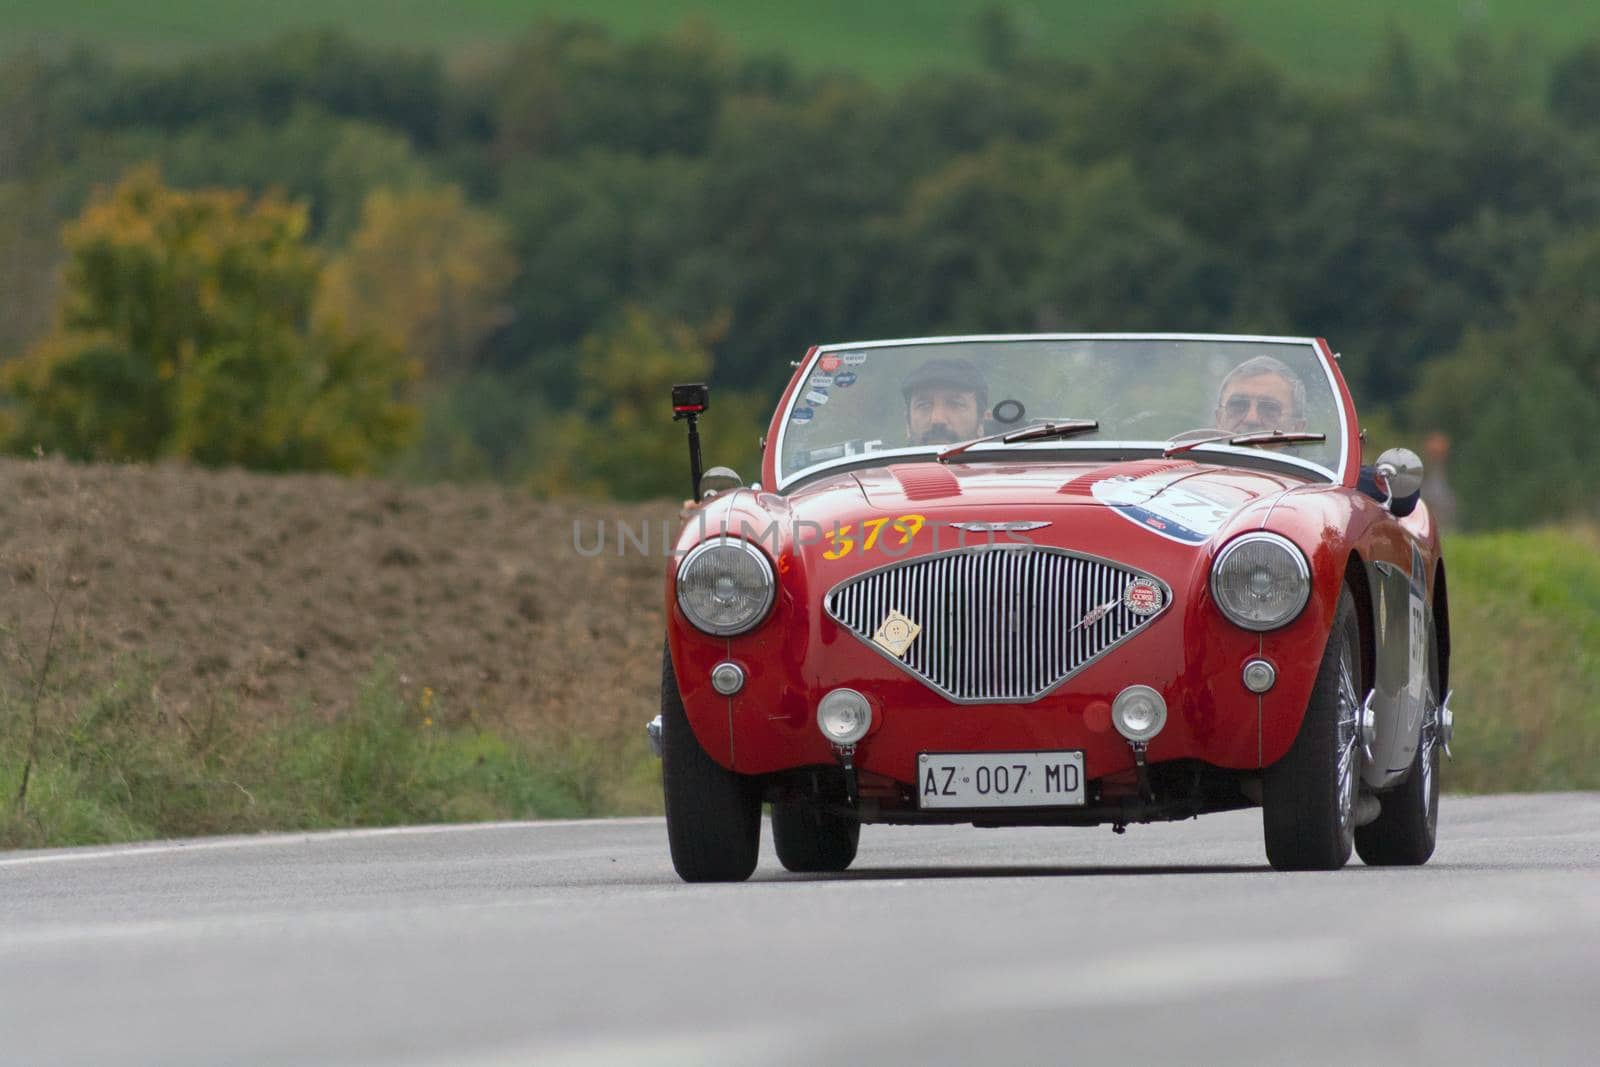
(690, 402)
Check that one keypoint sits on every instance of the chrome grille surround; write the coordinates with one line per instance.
(999, 622)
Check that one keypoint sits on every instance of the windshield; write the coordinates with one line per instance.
(912, 399)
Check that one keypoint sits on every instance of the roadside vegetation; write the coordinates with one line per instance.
(1525, 609)
(376, 654)
(122, 765)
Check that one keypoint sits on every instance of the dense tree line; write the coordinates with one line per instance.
(518, 228)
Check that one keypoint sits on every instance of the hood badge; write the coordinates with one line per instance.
(1143, 597)
(895, 634)
(999, 527)
(1094, 615)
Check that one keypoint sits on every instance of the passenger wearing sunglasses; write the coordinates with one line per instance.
(1262, 394)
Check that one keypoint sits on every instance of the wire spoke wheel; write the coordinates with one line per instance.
(1407, 826)
(1348, 741)
(1308, 809)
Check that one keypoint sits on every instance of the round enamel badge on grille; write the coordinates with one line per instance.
(1143, 597)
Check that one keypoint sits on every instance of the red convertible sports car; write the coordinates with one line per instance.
(1056, 580)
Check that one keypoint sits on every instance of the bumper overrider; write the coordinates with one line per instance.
(992, 648)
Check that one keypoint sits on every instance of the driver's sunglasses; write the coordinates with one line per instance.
(1238, 406)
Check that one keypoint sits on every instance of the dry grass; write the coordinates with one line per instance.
(226, 604)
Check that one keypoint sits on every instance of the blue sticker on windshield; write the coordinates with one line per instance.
(802, 415)
(844, 379)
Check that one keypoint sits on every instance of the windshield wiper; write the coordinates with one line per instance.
(1264, 437)
(1043, 432)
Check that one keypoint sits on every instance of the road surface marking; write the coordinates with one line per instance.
(310, 837)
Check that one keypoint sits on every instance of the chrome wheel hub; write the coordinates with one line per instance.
(1349, 742)
(1429, 744)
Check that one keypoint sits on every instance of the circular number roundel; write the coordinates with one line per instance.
(1143, 597)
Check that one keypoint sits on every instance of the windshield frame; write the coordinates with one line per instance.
(1238, 455)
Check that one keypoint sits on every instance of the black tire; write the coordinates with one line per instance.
(1309, 796)
(809, 839)
(1404, 833)
(713, 814)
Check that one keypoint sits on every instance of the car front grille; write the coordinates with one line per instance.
(1000, 623)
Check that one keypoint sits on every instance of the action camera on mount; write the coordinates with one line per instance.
(690, 402)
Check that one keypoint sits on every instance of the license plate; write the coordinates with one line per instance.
(999, 779)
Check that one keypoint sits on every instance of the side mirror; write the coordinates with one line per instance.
(718, 480)
(1401, 468)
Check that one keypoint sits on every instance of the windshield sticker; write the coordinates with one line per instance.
(844, 379)
(854, 359)
(802, 415)
(817, 396)
(1162, 507)
(822, 381)
(829, 364)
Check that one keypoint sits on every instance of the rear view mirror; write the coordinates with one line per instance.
(719, 480)
(1401, 468)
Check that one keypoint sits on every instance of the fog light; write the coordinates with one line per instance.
(844, 716)
(1259, 676)
(727, 678)
(1138, 713)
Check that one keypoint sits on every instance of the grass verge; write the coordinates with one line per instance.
(1525, 659)
(121, 766)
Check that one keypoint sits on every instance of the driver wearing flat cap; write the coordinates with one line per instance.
(945, 402)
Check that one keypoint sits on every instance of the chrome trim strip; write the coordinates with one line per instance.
(962, 644)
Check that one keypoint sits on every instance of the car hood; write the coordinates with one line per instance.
(1179, 499)
(904, 485)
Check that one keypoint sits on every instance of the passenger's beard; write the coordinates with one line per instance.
(938, 434)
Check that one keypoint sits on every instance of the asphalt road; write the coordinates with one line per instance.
(574, 942)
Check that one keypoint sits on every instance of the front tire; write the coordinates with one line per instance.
(809, 839)
(1309, 796)
(713, 814)
(1404, 833)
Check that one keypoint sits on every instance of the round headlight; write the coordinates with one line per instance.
(1261, 581)
(1138, 713)
(844, 716)
(725, 586)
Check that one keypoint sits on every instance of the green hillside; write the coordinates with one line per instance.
(893, 39)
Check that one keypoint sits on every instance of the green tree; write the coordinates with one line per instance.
(426, 272)
(185, 330)
(1575, 87)
(590, 233)
(620, 439)
(1521, 402)
(1015, 238)
(574, 85)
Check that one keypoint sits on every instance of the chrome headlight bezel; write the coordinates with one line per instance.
(698, 556)
(1296, 570)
